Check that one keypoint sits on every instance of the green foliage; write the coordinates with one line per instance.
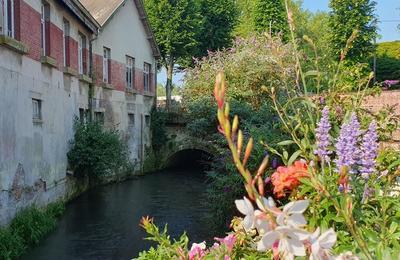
(158, 131)
(219, 20)
(166, 249)
(388, 61)
(252, 65)
(176, 25)
(27, 229)
(245, 26)
(32, 225)
(270, 16)
(96, 152)
(11, 244)
(347, 16)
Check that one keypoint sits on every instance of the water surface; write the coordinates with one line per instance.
(103, 223)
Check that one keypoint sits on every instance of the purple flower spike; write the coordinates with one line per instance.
(347, 145)
(369, 151)
(323, 137)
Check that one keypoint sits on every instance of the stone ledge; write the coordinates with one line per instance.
(131, 91)
(106, 85)
(70, 71)
(13, 44)
(37, 121)
(48, 61)
(148, 94)
(85, 78)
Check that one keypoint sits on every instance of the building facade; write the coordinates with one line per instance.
(47, 68)
(124, 71)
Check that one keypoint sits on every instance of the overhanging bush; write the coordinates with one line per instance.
(96, 151)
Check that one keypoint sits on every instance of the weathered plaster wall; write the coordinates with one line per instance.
(33, 159)
(124, 35)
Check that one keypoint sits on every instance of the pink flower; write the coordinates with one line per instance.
(229, 241)
(197, 251)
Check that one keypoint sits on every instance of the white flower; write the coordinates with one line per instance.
(322, 244)
(292, 214)
(246, 208)
(267, 205)
(201, 245)
(253, 218)
(286, 239)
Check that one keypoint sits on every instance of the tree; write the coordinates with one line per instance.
(245, 25)
(219, 19)
(270, 16)
(176, 25)
(346, 17)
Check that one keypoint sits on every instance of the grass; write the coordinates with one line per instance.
(27, 229)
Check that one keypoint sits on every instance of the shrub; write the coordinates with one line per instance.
(27, 229)
(249, 65)
(96, 151)
(388, 61)
(32, 225)
(11, 244)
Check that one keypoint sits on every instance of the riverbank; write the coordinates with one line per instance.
(28, 228)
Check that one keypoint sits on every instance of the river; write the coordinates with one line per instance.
(103, 223)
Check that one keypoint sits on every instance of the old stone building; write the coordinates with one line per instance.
(48, 50)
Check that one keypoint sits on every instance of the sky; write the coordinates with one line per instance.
(388, 12)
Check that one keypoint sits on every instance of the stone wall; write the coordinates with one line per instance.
(384, 100)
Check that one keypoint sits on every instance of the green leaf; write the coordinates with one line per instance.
(294, 157)
(285, 143)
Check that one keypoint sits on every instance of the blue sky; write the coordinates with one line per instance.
(388, 12)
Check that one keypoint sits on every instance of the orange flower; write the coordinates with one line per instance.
(288, 178)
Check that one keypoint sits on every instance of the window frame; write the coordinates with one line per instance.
(44, 23)
(8, 23)
(106, 64)
(66, 34)
(37, 109)
(130, 72)
(131, 123)
(146, 76)
(96, 117)
(147, 120)
(81, 56)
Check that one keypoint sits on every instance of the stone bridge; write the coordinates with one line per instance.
(181, 147)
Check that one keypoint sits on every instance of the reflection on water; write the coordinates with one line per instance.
(104, 222)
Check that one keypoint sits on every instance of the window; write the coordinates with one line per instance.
(146, 76)
(65, 42)
(130, 72)
(81, 56)
(36, 109)
(99, 117)
(7, 18)
(82, 115)
(131, 120)
(106, 64)
(44, 19)
(147, 120)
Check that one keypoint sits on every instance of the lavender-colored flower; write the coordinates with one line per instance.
(347, 145)
(323, 137)
(369, 151)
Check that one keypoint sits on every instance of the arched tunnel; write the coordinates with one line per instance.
(190, 159)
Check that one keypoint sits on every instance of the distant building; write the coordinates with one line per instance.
(45, 77)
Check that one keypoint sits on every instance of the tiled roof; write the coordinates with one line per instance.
(101, 10)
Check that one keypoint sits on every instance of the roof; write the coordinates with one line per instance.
(103, 10)
(81, 12)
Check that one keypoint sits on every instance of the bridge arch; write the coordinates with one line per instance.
(190, 152)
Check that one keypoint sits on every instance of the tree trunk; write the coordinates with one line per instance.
(168, 87)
